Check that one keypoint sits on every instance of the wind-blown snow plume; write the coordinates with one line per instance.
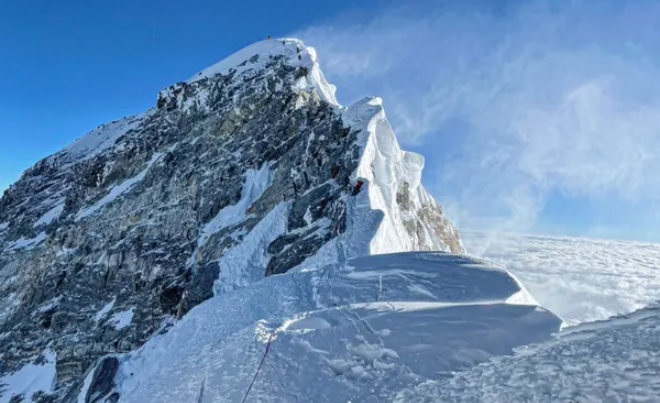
(518, 104)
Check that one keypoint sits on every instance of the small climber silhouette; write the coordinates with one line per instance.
(358, 187)
(269, 37)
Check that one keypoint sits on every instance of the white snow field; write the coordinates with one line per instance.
(355, 332)
(579, 279)
(617, 360)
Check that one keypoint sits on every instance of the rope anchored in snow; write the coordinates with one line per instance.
(325, 274)
(342, 259)
(263, 359)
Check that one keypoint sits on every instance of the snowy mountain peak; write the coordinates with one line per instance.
(249, 169)
(252, 59)
(258, 53)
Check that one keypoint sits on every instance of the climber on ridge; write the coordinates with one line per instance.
(335, 170)
(358, 187)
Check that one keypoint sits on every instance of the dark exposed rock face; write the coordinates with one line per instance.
(104, 245)
(103, 382)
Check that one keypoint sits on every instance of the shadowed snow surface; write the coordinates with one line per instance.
(358, 332)
(610, 361)
(35, 377)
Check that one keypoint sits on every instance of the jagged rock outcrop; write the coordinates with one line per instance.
(229, 178)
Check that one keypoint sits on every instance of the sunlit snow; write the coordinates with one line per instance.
(122, 319)
(50, 215)
(103, 311)
(25, 244)
(293, 49)
(342, 332)
(99, 139)
(617, 360)
(579, 279)
(254, 184)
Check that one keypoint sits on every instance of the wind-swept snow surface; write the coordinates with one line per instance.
(356, 332)
(617, 360)
(579, 279)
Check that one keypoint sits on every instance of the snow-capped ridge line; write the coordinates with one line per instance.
(394, 186)
(255, 55)
(97, 140)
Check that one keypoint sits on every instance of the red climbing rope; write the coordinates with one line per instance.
(270, 339)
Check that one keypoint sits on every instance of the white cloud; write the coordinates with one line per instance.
(515, 101)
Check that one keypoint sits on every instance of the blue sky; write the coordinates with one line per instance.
(538, 116)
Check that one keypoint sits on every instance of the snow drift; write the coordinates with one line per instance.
(615, 360)
(353, 332)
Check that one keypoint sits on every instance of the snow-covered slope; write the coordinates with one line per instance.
(37, 378)
(352, 332)
(98, 140)
(248, 169)
(579, 279)
(617, 360)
